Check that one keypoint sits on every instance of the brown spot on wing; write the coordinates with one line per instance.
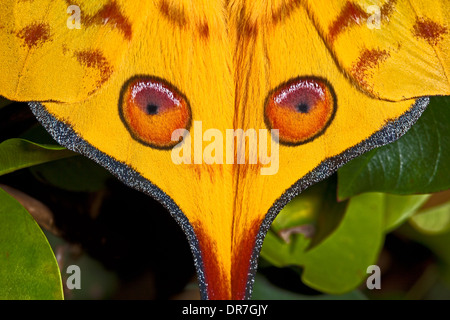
(203, 30)
(173, 14)
(387, 9)
(429, 30)
(95, 59)
(368, 60)
(352, 14)
(34, 35)
(111, 14)
(64, 48)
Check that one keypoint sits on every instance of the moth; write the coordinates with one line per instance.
(179, 99)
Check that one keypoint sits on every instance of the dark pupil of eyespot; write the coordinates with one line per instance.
(152, 109)
(303, 108)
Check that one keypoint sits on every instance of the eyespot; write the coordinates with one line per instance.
(152, 109)
(300, 109)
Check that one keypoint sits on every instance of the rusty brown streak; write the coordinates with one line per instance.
(242, 256)
(218, 286)
(429, 30)
(95, 59)
(111, 13)
(35, 34)
(387, 9)
(368, 60)
(242, 248)
(203, 30)
(352, 14)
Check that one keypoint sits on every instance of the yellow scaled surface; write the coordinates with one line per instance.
(393, 49)
(225, 60)
(43, 59)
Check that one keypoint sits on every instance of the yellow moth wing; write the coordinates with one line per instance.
(227, 77)
(392, 49)
(42, 59)
(226, 60)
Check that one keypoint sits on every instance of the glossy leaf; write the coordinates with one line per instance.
(434, 220)
(399, 208)
(36, 147)
(281, 253)
(416, 163)
(28, 268)
(338, 264)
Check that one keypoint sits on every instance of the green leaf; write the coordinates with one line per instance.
(28, 267)
(339, 262)
(416, 163)
(302, 210)
(315, 213)
(399, 208)
(433, 220)
(77, 174)
(36, 147)
(281, 253)
(264, 290)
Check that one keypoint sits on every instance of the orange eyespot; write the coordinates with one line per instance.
(300, 109)
(152, 109)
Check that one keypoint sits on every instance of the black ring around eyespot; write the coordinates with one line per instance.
(292, 80)
(166, 83)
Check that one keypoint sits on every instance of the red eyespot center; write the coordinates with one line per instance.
(301, 110)
(152, 110)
